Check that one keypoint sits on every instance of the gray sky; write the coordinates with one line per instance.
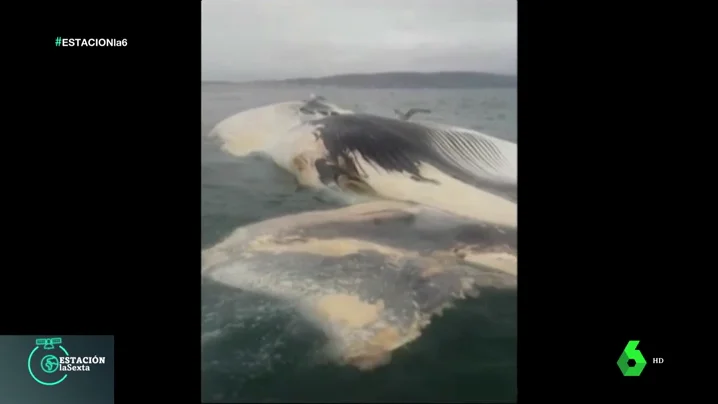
(268, 39)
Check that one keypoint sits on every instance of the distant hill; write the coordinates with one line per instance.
(216, 82)
(405, 80)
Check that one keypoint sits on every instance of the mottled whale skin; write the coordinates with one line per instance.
(257, 129)
(370, 276)
(324, 146)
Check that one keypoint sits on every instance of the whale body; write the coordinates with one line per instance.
(369, 276)
(325, 146)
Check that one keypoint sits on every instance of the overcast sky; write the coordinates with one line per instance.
(269, 39)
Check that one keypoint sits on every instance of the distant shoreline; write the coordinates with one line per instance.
(392, 80)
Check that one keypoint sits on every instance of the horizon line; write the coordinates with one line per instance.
(356, 74)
